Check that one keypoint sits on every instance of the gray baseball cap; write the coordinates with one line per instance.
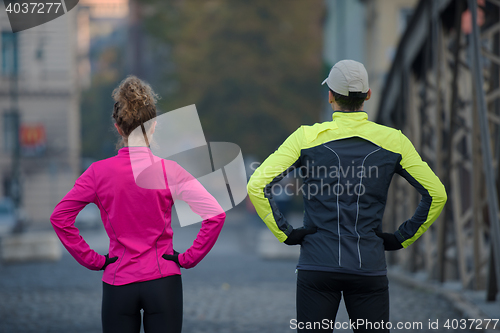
(348, 78)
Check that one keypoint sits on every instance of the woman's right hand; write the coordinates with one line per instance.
(108, 261)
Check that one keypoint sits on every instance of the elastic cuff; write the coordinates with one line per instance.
(103, 257)
(399, 236)
(288, 230)
(181, 260)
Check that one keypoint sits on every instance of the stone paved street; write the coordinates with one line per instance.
(232, 291)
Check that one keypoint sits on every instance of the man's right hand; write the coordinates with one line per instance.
(391, 243)
(297, 235)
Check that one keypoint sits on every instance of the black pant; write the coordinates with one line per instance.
(161, 300)
(318, 297)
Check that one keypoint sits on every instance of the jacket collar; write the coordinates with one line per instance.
(125, 151)
(350, 115)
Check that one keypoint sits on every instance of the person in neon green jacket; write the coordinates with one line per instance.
(347, 165)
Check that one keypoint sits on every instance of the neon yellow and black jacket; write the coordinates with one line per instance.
(346, 165)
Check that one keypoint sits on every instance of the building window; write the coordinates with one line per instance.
(9, 53)
(9, 131)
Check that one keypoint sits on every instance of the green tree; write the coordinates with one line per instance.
(253, 68)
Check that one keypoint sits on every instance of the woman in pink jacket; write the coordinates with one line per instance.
(141, 270)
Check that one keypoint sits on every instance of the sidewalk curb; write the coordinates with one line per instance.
(465, 307)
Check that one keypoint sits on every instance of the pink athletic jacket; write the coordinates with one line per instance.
(137, 219)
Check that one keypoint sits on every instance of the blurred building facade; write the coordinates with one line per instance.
(39, 83)
(98, 20)
(368, 32)
(44, 70)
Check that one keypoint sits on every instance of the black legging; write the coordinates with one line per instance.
(161, 300)
(319, 293)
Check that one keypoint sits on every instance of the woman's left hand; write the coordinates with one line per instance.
(172, 257)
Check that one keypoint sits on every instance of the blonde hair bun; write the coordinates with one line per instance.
(135, 103)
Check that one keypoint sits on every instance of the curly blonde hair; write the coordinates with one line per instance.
(135, 104)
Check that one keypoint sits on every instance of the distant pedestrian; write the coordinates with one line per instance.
(347, 166)
(141, 271)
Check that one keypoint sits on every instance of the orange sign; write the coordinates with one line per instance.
(32, 139)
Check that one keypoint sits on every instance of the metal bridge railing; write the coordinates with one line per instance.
(443, 91)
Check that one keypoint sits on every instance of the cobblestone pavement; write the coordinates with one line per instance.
(232, 290)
